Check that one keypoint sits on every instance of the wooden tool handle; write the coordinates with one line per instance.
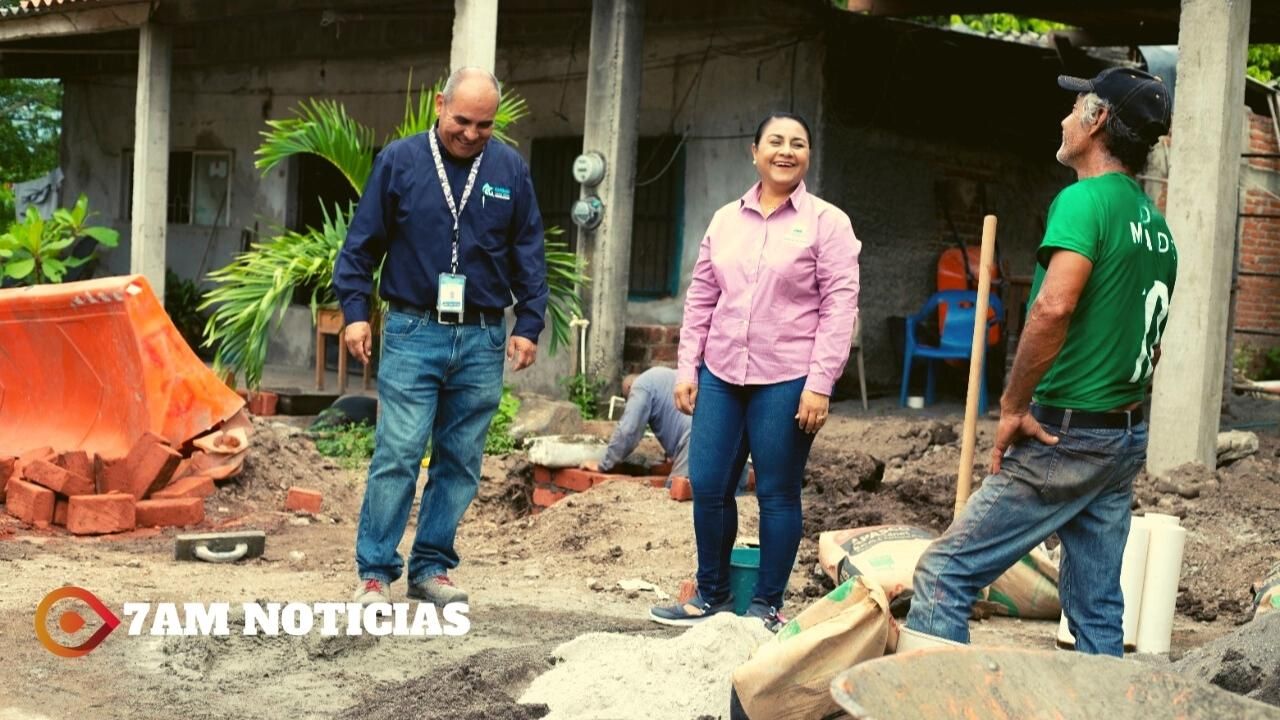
(970, 436)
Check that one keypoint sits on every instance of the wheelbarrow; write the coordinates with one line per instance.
(968, 683)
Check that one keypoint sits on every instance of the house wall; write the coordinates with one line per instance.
(1257, 310)
(711, 84)
(935, 126)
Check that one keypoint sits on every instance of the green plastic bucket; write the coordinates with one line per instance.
(744, 568)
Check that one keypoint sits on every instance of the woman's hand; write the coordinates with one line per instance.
(686, 397)
(813, 411)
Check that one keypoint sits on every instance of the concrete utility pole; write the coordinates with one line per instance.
(613, 104)
(475, 34)
(1204, 178)
(151, 156)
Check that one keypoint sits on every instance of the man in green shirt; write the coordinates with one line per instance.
(1071, 436)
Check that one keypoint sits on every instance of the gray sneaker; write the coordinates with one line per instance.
(437, 590)
(371, 591)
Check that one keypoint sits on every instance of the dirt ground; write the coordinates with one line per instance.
(535, 580)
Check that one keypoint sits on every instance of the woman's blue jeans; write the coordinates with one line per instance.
(730, 421)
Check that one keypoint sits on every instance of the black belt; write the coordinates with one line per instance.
(1067, 419)
(470, 317)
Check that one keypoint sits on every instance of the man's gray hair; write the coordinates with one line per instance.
(1119, 139)
(466, 73)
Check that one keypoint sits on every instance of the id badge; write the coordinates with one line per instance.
(452, 294)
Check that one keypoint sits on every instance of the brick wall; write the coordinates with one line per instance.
(1257, 321)
(648, 345)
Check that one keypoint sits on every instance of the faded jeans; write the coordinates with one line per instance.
(1082, 489)
(438, 381)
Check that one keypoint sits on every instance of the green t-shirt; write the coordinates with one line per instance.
(1105, 362)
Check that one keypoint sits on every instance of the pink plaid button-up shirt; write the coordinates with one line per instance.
(772, 299)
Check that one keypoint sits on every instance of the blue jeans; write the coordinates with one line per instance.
(442, 381)
(1082, 489)
(730, 421)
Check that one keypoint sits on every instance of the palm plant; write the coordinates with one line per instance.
(259, 284)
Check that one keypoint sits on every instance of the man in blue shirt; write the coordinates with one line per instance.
(454, 215)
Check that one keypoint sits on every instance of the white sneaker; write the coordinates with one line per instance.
(371, 591)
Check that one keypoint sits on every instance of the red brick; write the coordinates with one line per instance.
(45, 473)
(29, 502)
(574, 479)
(149, 465)
(78, 462)
(30, 456)
(662, 468)
(546, 497)
(663, 353)
(101, 514)
(170, 512)
(751, 480)
(542, 474)
(681, 490)
(60, 512)
(200, 486)
(304, 500)
(6, 472)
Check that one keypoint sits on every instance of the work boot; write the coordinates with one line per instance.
(437, 590)
(371, 591)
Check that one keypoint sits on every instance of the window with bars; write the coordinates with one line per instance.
(656, 223)
(199, 191)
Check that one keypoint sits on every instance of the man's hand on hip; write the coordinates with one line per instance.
(359, 340)
(521, 352)
(1013, 428)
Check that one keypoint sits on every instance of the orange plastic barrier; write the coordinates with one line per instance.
(93, 365)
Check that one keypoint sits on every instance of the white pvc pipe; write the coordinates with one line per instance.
(1160, 587)
(1133, 572)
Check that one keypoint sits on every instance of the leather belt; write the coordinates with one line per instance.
(1066, 419)
(470, 317)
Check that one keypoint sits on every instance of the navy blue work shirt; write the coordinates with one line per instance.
(403, 216)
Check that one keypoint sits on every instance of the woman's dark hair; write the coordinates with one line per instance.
(783, 116)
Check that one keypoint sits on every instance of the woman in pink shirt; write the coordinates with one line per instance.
(768, 318)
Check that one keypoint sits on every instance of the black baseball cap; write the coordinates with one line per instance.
(1140, 100)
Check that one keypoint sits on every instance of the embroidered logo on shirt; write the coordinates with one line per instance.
(497, 192)
(797, 235)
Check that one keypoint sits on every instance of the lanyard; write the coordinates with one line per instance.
(454, 209)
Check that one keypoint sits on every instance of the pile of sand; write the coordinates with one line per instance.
(608, 675)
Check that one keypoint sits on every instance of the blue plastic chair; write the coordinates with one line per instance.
(956, 341)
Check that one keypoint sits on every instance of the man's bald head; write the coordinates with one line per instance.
(465, 110)
(627, 382)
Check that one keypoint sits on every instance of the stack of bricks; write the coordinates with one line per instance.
(92, 496)
(551, 486)
(648, 345)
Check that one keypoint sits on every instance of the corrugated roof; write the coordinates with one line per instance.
(34, 7)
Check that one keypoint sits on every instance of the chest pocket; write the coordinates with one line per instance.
(493, 205)
(789, 255)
